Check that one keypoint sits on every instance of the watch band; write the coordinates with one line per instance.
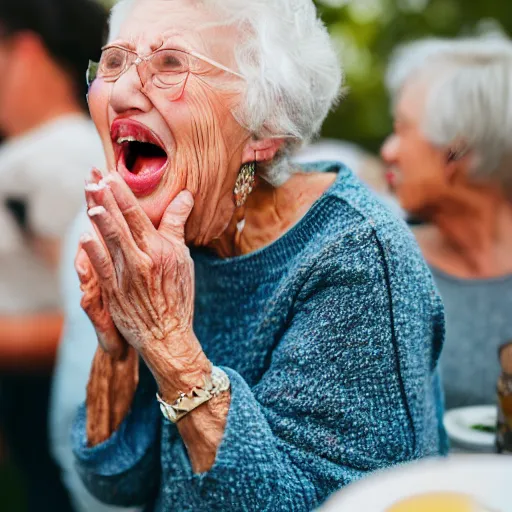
(216, 383)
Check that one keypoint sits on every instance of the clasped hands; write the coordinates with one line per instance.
(138, 291)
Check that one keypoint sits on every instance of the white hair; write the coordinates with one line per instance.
(118, 14)
(291, 69)
(469, 99)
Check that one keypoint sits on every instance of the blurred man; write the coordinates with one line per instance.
(49, 146)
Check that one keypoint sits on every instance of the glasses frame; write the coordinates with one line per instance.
(140, 59)
(147, 58)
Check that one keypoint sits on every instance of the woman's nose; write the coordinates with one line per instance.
(389, 149)
(127, 93)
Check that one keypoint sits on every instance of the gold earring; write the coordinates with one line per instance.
(244, 183)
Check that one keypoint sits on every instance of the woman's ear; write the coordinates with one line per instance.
(262, 150)
(458, 163)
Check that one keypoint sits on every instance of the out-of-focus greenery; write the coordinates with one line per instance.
(367, 31)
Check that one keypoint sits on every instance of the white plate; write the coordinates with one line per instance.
(458, 423)
(484, 477)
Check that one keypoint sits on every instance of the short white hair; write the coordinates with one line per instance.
(292, 71)
(469, 98)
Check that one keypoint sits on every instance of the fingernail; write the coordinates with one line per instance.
(187, 196)
(86, 237)
(94, 187)
(96, 210)
(107, 180)
(81, 270)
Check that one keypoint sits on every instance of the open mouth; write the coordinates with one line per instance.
(392, 177)
(140, 155)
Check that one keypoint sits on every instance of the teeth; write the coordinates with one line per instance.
(122, 140)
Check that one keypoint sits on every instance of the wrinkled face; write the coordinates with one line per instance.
(416, 169)
(167, 133)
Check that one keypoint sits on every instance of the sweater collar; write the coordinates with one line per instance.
(269, 260)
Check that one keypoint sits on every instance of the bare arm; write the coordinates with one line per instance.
(202, 429)
(29, 342)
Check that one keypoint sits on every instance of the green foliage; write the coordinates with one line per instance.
(367, 31)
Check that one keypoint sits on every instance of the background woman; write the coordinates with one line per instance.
(450, 165)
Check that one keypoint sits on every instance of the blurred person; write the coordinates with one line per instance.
(287, 322)
(48, 144)
(366, 166)
(450, 164)
(325, 150)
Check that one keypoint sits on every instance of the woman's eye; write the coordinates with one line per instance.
(112, 60)
(169, 61)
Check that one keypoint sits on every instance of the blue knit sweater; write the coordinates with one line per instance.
(330, 337)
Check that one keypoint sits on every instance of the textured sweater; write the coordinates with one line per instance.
(330, 337)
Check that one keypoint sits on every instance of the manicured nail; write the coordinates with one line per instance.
(96, 210)
(94, 187)
(81, 270)
(85, 238)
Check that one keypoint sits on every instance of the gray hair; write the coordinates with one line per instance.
(292, 71)
(469, 99)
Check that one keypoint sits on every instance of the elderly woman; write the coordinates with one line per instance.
(287, 327)
(450, 165)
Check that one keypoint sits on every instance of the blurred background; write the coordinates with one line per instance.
(365, 33)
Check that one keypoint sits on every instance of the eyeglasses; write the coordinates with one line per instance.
(168, 68)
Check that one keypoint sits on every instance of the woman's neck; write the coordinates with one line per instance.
(470, 234)
(270, 212)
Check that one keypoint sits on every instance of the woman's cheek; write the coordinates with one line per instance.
(98, 100)
(189, 125)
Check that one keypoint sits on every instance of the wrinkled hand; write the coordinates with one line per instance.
(115, 368)
(146, 276)
(92, 303)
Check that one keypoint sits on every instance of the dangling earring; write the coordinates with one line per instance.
(244, 183)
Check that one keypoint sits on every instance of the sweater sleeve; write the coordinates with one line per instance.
(124, 470)
(329, 408)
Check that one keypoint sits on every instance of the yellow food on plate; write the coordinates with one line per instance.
(438, 502)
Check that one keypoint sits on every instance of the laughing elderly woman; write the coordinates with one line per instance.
(287, 327)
